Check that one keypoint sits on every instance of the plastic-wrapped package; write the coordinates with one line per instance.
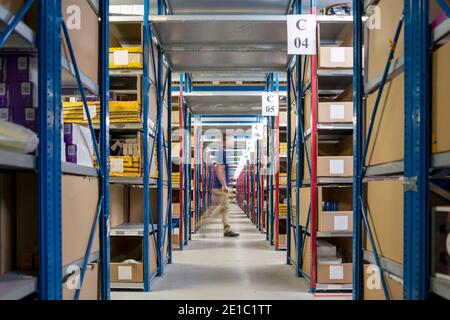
(343, 9)
(17, 138)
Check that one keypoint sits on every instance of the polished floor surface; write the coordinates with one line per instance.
(214, 267)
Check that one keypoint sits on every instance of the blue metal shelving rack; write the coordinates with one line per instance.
(49, 165)
(414, 169)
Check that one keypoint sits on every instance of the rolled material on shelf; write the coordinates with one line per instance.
(17, 138)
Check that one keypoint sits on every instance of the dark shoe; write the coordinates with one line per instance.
(230, 234)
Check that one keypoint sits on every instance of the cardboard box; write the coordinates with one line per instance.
(175, 209)
(129, 58)
(20, 94)
(126, 259)
(79, 204)
(25, 116)
(335, 166)
(90, 287)
(373, 289)
(386, 218)
(79, 154)
(79, 135)
(137, 205)
(118, 204)
(336, 57)
(7, 223)
(440, 130)
(335, 112)
(334, 273)
(18, 69)
(335, 221)
(27, 221)
(325, 249)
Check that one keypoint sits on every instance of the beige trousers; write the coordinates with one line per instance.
(222, 208)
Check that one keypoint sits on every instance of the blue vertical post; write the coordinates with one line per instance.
(146, 158)
(358, 92)
(186, 156)
(160, 160)
(169, 168)
(289, 170)
(417, 150)
(49, 159)
(190, 177)
(104, 148)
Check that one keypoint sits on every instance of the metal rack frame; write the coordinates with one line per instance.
(49, 166)
(414, 170)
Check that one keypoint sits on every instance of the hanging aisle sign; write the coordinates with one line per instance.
(270, 104)
(302, 34)
(257, 131)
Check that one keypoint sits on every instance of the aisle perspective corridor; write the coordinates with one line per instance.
(214, 267)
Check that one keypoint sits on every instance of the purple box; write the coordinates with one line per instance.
(25, 116)
(20, 94)
(2, 69)
(3, 95)
(17, 68)
(79, 155)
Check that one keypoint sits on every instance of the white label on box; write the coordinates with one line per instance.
(125, 273)
(116, 165)
(22, 63)
(302, 34)
(336, 166)
(270, 104)
(4, 114)
(26, 88)
(337, 112)
(121, 58)
(336, 272)
(72, 99)
(2, 89)
(71, 150)
(92, 112)
(337, 55)
(340, 223)
(30, 114)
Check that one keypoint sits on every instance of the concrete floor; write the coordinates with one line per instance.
(213, 267)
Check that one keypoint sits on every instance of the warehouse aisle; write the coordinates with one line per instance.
(214, 267)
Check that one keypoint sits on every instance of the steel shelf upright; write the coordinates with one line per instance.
(49, 160)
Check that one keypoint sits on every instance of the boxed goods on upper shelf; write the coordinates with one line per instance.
(126, 58)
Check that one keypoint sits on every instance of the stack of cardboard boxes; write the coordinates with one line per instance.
(17, 91)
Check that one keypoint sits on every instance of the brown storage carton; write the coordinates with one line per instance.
(175, 209)
(137, 205)
(386, 218)
(440, 130)
(387, 140)
(335, 221)
(90, 287)
(335, 166)
(373, 289)
(12, 5)
(79, 204)
(7, 223)
(27, 221)
(340, 273)
(335, 112)
(336, 57)
(380, 39)
(126, 259)
(118, 202)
